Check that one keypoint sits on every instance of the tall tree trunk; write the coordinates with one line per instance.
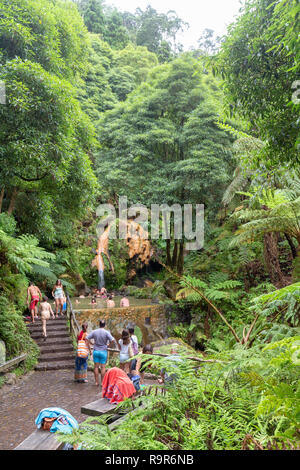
(175, 254)
(12, 201)
(271, 255)
(296, 264)
(168, 248)
(180, 261)
(207, 325)
(1, 198)
(292, 246)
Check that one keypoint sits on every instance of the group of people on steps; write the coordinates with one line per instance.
(35, 297)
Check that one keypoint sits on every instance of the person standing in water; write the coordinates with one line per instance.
(45, 310)
(124, 302)
(59, 296)
(110, 303)
(35, 295)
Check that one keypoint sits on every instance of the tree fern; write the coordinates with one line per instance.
(285, 301)
(23, 252)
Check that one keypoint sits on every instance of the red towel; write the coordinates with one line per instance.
(117, 386)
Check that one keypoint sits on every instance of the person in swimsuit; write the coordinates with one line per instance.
(110, 302)
(35, 294)
(103, 293)
(59, 296)
(45, 311)
(126, 351)
(124, 302)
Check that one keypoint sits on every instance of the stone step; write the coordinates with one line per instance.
(57, 356)
(38, 320)
(54, 341)
(58, 365)
(38, 323)
(56, 352)
(56, 348)
(49, 326)
(50, 334)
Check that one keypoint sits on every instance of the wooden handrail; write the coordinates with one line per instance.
(12, 363)
(74, 325)
(197, 359)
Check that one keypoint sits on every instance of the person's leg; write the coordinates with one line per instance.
(32, 311)
(103, 370)
(56, 307)
(103, 361)
(44, 327)
(96, 373)
(96, 366)
(61, 306)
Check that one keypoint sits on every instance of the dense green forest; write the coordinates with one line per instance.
(100, 104)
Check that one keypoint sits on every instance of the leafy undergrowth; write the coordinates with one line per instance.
(247, 399)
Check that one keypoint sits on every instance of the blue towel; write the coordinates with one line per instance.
(64, 422)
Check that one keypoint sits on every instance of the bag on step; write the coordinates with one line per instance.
(47, 423)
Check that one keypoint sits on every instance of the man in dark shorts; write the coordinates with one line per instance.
(102, 338)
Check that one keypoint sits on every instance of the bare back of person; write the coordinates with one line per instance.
(34, 291)
(35, 294)
(45, 311)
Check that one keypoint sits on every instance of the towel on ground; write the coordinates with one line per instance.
(64, 422)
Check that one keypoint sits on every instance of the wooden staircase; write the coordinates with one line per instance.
(57, 351)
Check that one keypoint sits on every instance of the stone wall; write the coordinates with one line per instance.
(151, 319)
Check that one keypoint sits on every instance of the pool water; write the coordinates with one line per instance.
(83, 304)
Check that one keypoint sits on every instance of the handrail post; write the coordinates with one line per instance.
(72, 319)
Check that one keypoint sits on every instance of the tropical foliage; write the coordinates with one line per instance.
(100, 104)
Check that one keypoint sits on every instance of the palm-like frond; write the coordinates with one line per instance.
(219, 291)
(283, 216)
(23, 252)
